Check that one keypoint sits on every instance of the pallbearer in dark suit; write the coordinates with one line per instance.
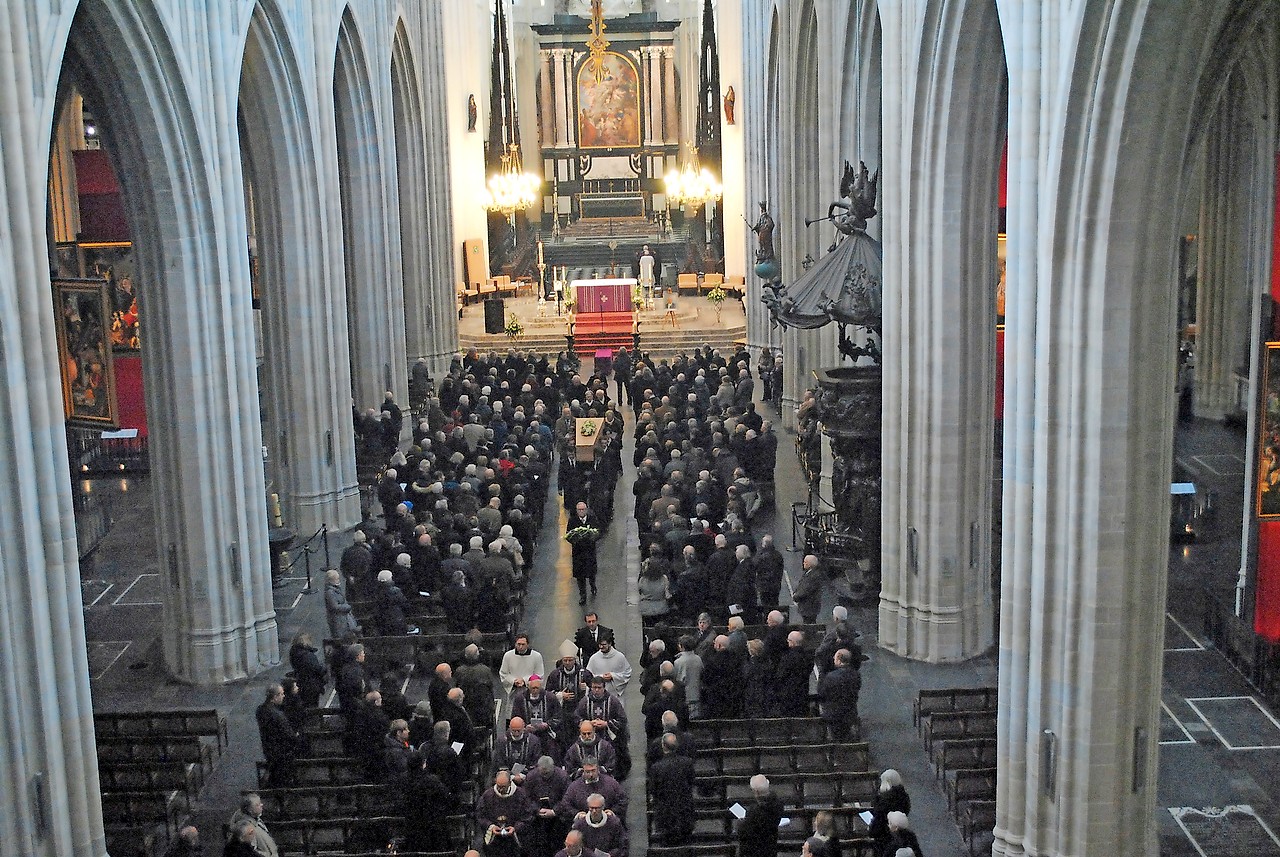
(584, 551)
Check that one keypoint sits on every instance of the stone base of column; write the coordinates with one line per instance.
(935, 635)
(339, 510)
(207, 656)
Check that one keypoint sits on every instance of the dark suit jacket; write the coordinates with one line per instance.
(586, 645)
(758, 831)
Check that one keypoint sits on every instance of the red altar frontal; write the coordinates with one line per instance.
(603, 318)
(599, 296)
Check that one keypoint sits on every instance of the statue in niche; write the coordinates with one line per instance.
(730, 99)
(472, 113)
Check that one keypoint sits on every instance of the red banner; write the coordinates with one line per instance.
(1266, 611)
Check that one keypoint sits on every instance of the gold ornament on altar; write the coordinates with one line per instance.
(597, 44)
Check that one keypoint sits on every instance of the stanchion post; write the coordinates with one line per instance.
(307, 553)
(324, 529)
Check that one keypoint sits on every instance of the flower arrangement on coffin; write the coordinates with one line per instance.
(588, 428)
(582, 535)
(514, 328)
(716, 296)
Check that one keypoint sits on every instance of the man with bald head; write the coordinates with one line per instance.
(573, 847)
(518, 751)
(600, 828)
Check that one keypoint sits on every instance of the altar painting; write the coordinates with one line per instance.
(1269, 435)
(84, 352)
(113, 262)
(608, 108)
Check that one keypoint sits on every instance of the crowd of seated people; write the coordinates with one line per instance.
(461, 514)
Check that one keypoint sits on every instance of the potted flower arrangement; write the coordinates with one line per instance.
(514, 328)
(637, 298)
(716, 296)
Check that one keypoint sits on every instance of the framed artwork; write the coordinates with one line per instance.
(84, 352)
(66, 260)
(609, 107)
(113, 261)
(1269, 434)
(1002, 253)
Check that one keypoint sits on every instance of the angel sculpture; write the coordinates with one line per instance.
(860, 189)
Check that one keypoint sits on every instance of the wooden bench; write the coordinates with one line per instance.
(957, 724)
(156, 749)
(953, 699)
(328, 771)
(136, 808)
(723, 849)
(782, 759)
(135, 840)
(841, 788)
(952, 753)
(764, 730)
(315, 836)
(187, 777)
(966, 784)
(205, 721)
(979, 817)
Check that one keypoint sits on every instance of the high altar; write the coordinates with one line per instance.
(609, 118)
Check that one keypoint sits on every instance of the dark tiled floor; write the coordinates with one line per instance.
(1196, 769)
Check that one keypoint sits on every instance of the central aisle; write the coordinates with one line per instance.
(552, 614)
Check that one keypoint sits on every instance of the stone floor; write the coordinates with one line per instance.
(1218, 746)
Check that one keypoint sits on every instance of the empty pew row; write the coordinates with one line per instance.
(149, 749)
(952, 753)
(977, 821)
(941, 725)
(952, 699)
(969, 784)
(781, 759)
(155, 776)
(205, 722)
(772, 731)
(132, 809)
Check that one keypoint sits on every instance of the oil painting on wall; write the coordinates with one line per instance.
(84, 352)
(608, 104)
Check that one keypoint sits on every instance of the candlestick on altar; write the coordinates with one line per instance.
(540, 259)
(542, 280)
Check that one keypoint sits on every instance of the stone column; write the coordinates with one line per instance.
(1222, 295)
(670, 111)
(440, 226)
(546, 106)
(940, 223)
(647, 93)
(560, 121)
(49, 768)
(570, 99)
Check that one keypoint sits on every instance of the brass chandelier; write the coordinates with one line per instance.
(511, 189)
(693, 186)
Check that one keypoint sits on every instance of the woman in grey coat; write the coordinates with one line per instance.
(336, 607)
